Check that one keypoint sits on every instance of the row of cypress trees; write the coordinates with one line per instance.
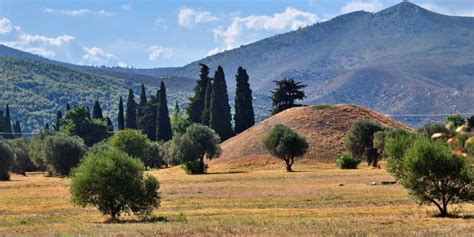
(7, 129)
(210, 103)
(150, 115)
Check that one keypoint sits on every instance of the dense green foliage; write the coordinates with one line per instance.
(456, 119)
(77, 122)
(429, 129)
(62, 153)
(206, 114)
(433, 175)
(395, 147)
(22, 162)
(197, 101)
(359, 141)
(114, 183)
(6, 129)
(97, 110)
(6, 158)
(132, 142)
(220, 119)
(287, 92)
(120, 116)
(244, 116)
(131, 111)
(179, 122)
(347, 161)
(163, 123)
(285, 144)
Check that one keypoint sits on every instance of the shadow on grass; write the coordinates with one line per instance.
(228, 172)
(153, 219)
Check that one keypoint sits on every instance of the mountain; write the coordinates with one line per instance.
(324, 127)
(401, 60)
(36, 90)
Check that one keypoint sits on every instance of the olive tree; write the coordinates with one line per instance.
(114, 183)
(22, 162)
(285, 144)
(133, 142)
(394, 150)
(6, 159)
(62, 153)
(359, 141)
(433, 175)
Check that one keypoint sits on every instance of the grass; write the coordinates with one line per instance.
(243, 202)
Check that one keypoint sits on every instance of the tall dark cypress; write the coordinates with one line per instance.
(8, 124)
(220, 117)
(141, 110)
(97, 110)
(163, 123)
(206, 113)
(68, 107)
(110, 126)
(244, 116)
(17, 129)
(196, 103)
(120, 118)
(131, 112)
(147, 122)
(143, 99)
(59, 116)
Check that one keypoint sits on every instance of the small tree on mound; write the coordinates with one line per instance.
(359, 141)
(285, 144)
(433, 175)
(115, 183)
(6, 159)
(132, 142)
(62, 154)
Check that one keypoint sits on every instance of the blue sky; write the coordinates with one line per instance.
(168, 33)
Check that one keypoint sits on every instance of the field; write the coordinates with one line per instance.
(316, 200)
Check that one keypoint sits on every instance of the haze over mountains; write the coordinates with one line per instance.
(401, 60)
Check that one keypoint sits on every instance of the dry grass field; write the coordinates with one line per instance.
(238, 202)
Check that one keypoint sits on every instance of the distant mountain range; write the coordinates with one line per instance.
(401, 60)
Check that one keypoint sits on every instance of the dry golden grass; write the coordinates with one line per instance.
(238, 202)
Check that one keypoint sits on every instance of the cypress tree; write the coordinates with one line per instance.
(196, 103)
(147, 121)
(163, 129)
(207, 105)
(110, 126)
(141, 110)
(59, 116)
(68, 107)
(97, 110)
(17, 129)
(220, 117)
(46, 126)
(131, 112)
(244, 116)
(143, 99)
(121, 119)
(8, 132)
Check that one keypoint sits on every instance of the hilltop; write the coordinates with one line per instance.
(324, 127)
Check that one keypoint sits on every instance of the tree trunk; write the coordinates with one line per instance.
(288, 165)
(201, 164)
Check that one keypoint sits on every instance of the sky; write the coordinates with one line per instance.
(165, 33)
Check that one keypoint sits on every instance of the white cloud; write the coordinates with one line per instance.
(187, 17)
(37, 44)
(157, 52)
(290, 19)
(126, 7)
(97, 56)
(369, 6)
(76, 12)
(52, 41)
(5, 26)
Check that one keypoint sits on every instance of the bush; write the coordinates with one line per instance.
(62, 154)
(194, 167)
(285, 144)
(114, 183)
(359, 141)
(456, 119)
(6, 159)
(36, 150)
(395, 147)
(433, 175)
(132, 142)
(77, 122)
(155, 156)
(429, 129)
(347, 161)
(22, 162)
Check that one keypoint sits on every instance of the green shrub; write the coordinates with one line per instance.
(62, 153)
(114, 183)
(429, 129)
(285, 144)
(133, 142)
(456, 119)
(194, 167)
(155, 156)
(395, 148)
(22, 162)
(433, 175)
(6, 159)
(347, 161)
